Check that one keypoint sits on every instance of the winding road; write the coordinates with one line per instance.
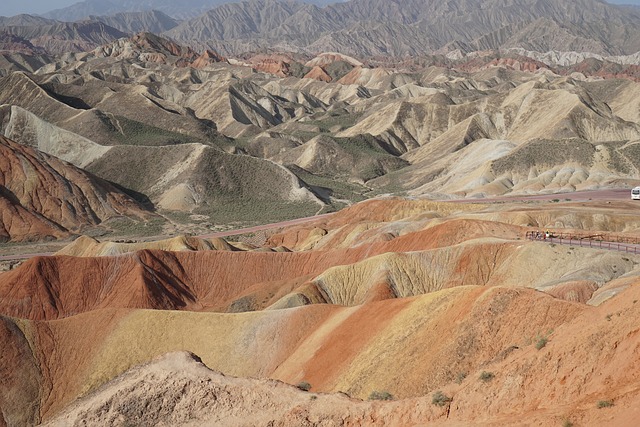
(616, 194)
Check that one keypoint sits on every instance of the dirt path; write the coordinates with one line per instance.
(262, 227)
(23, 256)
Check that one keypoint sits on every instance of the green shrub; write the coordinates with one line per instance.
(440, 399)
(605, 404)
(304, 386)
(380, 395)
(461, 376)
(486, 376)
(542, 341)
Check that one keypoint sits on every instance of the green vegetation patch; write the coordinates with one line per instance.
(131, 132)
(547, 153)
(363, 144)
(257, 212)
(336, 188)
(298, 70)
(440, 399)
(632, 153)
(328, 121)
(380, 395)
(131, 227)
(138, 168)
(605, 404)
(486, 376)
(338, 69)
(541, 343)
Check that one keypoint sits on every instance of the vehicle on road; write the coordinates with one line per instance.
(635, 193)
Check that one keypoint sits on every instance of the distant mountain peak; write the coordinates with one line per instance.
(185, 9)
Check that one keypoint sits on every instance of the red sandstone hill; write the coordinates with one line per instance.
(404, 296)
(45, 197)
(371, 252)
(410, 347)
(207, 58)
(15, 44)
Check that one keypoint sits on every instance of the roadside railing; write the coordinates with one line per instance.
(584, 240)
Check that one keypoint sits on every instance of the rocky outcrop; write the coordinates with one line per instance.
(317, 73)
(15, 44)
(146, 47)
(208, 58)
(44, 195)
(327, 58)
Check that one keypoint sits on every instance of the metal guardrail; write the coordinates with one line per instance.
(598, 241)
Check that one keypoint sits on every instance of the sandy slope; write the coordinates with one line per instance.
(404, 296)
(403, 351)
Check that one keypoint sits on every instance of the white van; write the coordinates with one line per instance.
(635, 193)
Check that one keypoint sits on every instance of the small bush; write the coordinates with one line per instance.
(380, 395)
(486, 376)
(461, 376)
(542, 341)
(304, 386)
(605, 404)
(567, 423)
(440, 399)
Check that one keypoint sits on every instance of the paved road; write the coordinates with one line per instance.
(23, 256)
(618, 194)
(204, 236)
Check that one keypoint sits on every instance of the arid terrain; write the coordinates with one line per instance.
(288, 214)
(206, 142)
(405, 297)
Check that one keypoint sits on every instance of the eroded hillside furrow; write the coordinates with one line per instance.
(416, 273)
(218, 280)
(21, 387)
(324, 345)
(430, 139)
(65, 197)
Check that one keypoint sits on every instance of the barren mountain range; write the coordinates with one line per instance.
(362, 28)
(183, 10)
(409, 27)
(183, 132)
(133, 140)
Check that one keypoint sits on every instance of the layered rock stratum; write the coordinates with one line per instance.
(44, 197)
(406, 297)
(143, 152)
